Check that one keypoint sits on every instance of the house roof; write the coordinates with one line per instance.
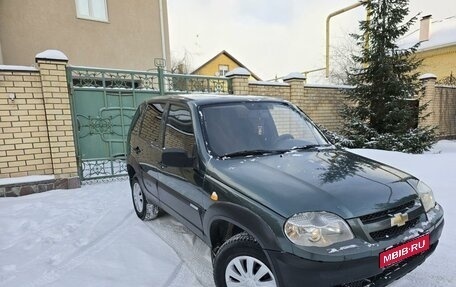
(233, 59)
(442, 34)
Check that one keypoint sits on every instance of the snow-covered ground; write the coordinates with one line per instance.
(91, 236)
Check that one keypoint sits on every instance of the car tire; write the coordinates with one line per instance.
(144, 210)
(242, 260)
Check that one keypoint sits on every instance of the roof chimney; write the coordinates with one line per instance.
(425, 28)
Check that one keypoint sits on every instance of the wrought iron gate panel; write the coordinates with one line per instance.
(104, 102)
(103, 105)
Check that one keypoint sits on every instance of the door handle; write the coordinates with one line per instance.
(137, 150)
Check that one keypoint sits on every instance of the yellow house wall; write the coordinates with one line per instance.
(440, 62)
(211, 68)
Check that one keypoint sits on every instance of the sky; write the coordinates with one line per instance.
(270, 37)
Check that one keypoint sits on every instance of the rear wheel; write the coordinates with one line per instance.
(240, 261)
(144, 210)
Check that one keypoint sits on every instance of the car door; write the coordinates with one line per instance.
(180, 188)
(148, 146)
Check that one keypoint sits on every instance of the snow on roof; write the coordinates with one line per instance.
(442, 33)
(17, 68)
(52, 55)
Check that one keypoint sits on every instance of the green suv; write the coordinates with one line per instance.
(277, 203)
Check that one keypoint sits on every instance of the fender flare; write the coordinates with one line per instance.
(243, 218)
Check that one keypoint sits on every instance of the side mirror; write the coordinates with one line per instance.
(176, 157)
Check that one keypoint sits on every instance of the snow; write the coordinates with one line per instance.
(264, 83)
(294, 75)
(52, 55)
(25, 179)
(329, 86)
(91, 236)
(334, 250)
(238, 72)
(442, 34)
(444, 146)
(438, 169)
(427, 76)
(17, 68)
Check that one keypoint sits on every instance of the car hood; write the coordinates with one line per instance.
(329, 180)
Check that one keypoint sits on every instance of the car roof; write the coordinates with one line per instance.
(204, 99)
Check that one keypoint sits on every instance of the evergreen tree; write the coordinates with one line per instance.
(380, 113)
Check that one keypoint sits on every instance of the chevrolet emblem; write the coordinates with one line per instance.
(399, 219)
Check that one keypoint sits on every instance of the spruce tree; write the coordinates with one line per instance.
(380, 111)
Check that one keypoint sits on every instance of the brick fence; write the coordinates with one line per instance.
(323, 103)
(442, 106)
(36, 135)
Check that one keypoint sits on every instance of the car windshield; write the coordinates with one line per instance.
(257, 127)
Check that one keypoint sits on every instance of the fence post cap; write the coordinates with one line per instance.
(52, 55)
(238, 72)
(427, 76)
(294, 76)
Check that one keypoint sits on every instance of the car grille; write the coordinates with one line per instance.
(377, 226)
(385, 214)
(394, 231)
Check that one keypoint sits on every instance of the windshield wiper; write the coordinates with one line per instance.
(249, 152)
(309, 146)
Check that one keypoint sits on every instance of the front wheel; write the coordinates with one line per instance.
(240, 261)
(144, 210)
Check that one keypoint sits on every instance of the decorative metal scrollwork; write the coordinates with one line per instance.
(448, 81)
(113, 79)
(103, 168)
(192, 84)
(100, 125)
(86, 78)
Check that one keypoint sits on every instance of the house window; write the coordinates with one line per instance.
(92, 9)
(223, 69)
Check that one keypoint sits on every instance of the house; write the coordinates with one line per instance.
(101, 33)
(437, 48)
(221, 64)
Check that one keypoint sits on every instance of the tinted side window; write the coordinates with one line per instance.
(137, 120)
(150, 127)
(179, 129)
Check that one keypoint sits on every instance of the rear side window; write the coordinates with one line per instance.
(137, 119)
(179, 129)
(150, 127)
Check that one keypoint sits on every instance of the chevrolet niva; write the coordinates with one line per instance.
(277, 204)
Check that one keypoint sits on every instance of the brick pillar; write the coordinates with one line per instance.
(296, 81)
(428, 96)
(52, 66)
(240, 81)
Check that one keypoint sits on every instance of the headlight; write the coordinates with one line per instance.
(426, 195)
(319, 229)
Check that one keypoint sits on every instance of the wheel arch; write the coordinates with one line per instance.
(222, 215)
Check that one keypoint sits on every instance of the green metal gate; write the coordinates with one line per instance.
(104, 102)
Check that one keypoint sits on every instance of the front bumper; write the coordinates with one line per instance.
(291, 270)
